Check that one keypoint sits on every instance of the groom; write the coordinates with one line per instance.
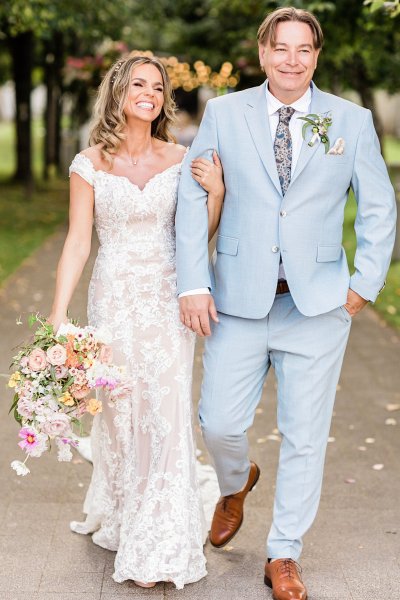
(279, 277)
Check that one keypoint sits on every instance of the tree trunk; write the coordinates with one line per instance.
(368, 100)
(21, 47)
(53, 80)
(364, 88)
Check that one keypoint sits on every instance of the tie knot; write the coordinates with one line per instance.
(285, 114)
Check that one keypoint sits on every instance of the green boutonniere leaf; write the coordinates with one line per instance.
(319, 124)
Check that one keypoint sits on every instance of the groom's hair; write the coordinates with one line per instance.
(267, 30)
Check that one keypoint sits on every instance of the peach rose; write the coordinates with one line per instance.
(56, 355)
(106, 355)
(37, 360)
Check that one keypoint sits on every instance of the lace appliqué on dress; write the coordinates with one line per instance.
(144, 500)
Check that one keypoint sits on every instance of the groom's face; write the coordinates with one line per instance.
(290, 63)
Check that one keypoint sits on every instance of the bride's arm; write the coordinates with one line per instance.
(209, 175)
(76, 247)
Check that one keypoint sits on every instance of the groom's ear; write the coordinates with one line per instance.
(261, 54)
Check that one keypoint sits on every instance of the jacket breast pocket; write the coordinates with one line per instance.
(328, 252)
(227, 245)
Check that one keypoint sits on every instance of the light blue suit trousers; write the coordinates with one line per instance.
(307, 354)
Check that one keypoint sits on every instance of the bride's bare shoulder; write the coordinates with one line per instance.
(172, 152)
(93, 153)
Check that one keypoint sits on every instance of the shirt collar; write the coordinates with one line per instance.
(301, 105)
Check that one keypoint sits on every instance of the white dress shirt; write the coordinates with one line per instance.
(302, 108)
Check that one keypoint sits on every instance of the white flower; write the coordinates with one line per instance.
(103, 335)
(38, 450)
(67, 328)
(20, 467)
(64, 451)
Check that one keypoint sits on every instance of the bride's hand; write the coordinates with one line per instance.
(57, 320)
(209, 175)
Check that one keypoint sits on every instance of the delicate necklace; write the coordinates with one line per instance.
(134, 162)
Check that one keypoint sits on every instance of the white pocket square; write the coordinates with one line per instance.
(338, 147)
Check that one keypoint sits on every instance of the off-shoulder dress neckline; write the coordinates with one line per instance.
(132, 183)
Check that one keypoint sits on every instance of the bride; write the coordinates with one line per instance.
(143, 500)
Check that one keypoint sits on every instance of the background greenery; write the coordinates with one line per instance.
(67, 44)
(24, 224)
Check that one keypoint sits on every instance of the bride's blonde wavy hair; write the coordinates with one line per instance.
(109, 120)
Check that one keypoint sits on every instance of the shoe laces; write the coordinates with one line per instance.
(288, 567)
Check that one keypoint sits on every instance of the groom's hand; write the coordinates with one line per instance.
(195, 313)
(354, 303)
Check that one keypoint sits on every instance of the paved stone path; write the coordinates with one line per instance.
(351, 553)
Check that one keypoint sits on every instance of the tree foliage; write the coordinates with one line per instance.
(361, 50)
(392, 8)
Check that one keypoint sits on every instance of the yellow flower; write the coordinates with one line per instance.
(14, 379)
(94, 406)
(67, 399)
(87, 362)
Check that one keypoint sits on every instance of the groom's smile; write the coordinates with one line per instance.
(289, 60)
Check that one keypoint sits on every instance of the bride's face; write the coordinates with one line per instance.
(146, 94)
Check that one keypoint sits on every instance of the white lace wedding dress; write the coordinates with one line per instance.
(143, 500)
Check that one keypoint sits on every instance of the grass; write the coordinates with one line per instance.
(25, 225)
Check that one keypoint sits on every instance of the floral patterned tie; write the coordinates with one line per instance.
(283, 147)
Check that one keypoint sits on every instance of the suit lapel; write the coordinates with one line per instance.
(256, 114)
(318, 105)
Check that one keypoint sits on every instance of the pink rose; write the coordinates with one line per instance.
(56, 355)
(57, 424)
(106, 355)
(37, 360)
(78, 391)
(61, 371)
(25, 407)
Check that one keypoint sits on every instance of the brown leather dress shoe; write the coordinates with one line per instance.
(283, 576)
(228, 515)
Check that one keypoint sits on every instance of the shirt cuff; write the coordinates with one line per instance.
(194, 292)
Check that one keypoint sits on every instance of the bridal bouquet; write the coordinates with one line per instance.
(54, 377)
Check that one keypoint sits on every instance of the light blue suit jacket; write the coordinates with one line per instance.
(305, 226)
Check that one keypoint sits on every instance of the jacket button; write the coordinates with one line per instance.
(275, 249)
(283, 213)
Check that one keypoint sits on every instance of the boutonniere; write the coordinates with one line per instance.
(319, 124)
